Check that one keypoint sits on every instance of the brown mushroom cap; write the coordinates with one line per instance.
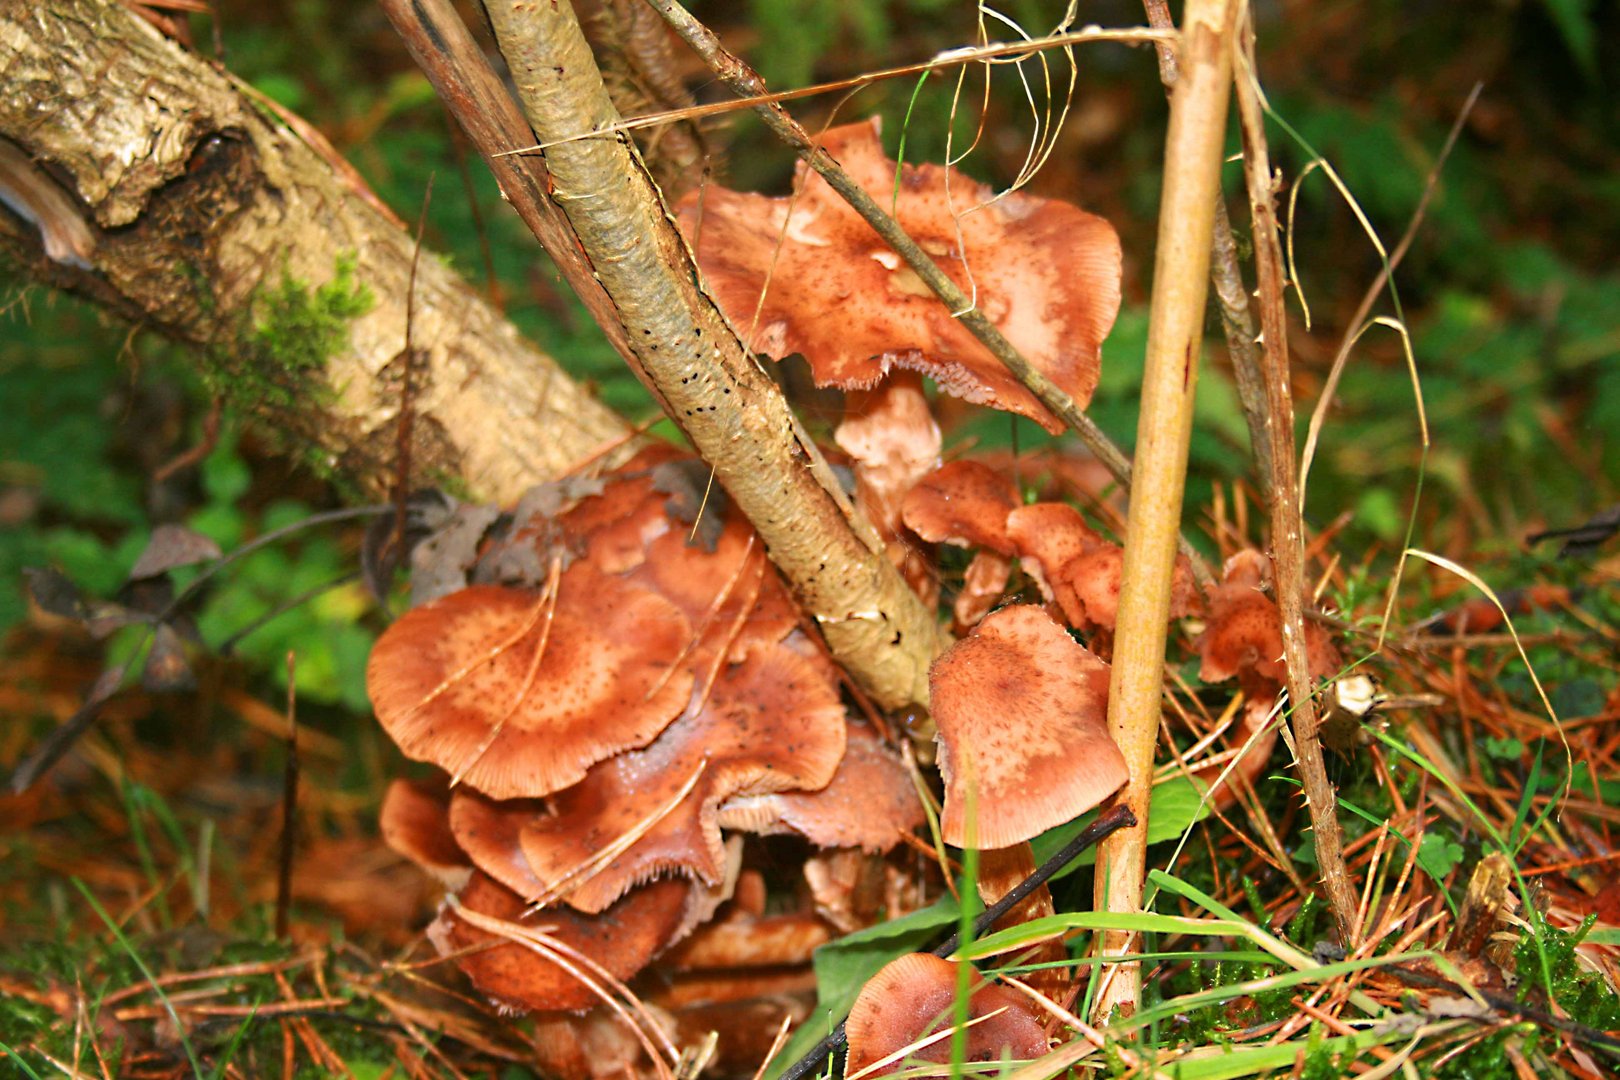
(622, 939)
(1045, 272)
(412, 823)
(1045, 536)
(771, 723)
(453, 682)
(1021, 709)
(913, 997)
(963, 503)
(869, 803)
(756, 610)
(490, 832)
(984, 583)
(1243, 636)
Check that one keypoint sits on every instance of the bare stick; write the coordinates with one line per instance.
(1231, 294)
(736, 73)
(711, 385)
(1192, 163)
(1287, 538)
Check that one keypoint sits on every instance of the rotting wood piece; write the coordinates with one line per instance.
(200, 206)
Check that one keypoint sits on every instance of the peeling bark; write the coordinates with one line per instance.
(199, 206)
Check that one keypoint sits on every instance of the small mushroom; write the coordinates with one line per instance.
(912, 999)
(1242, 639)
(1021, 709)
(869, 803)
(412, 823)
(490, 831)
(519, 702)
(1079, 570)
(962, 503)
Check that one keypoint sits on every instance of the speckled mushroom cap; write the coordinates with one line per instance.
(869, 803)
(913, 997)
(1046, 273)
(455, 682)
(1021, 709)
(771, 723)
(963, 503)
(623, 939)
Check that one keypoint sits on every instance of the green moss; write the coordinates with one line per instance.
(292, 330)
(1548, 968)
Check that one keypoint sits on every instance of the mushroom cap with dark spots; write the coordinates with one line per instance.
(454, 682)
(1045, 272)
(914, 996)
(1021, 709)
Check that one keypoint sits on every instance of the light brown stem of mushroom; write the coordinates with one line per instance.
(732, 411)
(1180, 285)
(747, 83)
(1287, 540)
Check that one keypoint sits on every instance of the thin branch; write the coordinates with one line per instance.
(718, 393)
(1231, 294)
(1287, 535)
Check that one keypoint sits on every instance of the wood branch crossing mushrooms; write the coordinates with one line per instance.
(1045, 272)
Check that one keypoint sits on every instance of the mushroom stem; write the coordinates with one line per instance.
(1192, 163)
(712, 387)
(746, 82)
(1287, 539)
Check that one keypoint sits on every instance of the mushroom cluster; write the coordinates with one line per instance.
(620, 677)
(806, 274)
(969, 504)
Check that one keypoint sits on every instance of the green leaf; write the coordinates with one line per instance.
(1576, 26)
(1439, 855)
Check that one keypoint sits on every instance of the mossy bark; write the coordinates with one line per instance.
(201, 209)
